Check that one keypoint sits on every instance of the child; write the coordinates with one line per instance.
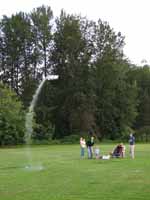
(97, 153)
(82, 145)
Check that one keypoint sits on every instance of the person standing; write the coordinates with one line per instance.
(97, 152)
(132, 145)
(82, 145)
(89, 149)
(89, 145)
(92, 143)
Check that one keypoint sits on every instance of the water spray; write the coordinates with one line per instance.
(30, 116)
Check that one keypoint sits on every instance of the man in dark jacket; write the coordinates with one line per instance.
(89, 145)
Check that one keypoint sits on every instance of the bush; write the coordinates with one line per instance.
(11, 117)
(44, 142)
(70, 139)
(41, 132)
(143, 134)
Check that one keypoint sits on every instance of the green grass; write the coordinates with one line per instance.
(67, 177)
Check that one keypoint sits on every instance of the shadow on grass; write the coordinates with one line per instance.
(26, 167)
(112, 160)
(11, 167)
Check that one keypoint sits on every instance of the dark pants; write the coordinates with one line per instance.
(90, 155)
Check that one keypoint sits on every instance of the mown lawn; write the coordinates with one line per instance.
(58, 173)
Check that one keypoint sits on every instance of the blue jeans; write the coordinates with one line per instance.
(90, 155)
(82, 151)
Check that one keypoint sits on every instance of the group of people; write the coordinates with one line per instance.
(118, 151)
(89, 144)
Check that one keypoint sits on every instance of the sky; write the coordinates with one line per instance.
(130, 17)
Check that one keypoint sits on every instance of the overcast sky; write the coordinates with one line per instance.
(130, 17)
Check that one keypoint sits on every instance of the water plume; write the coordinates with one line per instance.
(29, 122)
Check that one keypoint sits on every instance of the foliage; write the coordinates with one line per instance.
(70, 139)
(97, 87)
(74, 98)
(143, 134)
(11, 117)
(141, 77)
(41, 28)
(116, 96)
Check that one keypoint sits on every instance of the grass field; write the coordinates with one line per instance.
(58, 173)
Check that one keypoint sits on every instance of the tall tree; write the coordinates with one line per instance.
(16, 46)
(141, 75)
(42, 29)
(115, 95)
(71, 62)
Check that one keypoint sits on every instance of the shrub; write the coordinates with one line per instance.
(11, 117)
(70, 139)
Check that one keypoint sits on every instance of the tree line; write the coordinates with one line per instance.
(98, 87)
